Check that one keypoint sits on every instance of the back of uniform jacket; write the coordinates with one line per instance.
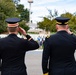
(59, 49)
(12, 52)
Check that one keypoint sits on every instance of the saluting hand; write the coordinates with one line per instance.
(68, 30)
(21, 30)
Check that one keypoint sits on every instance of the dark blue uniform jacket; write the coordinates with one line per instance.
(59, 50)
(12, 52)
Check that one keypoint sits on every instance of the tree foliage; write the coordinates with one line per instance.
(45, 24)
(11, 8)
(49, 23)
(23, 13)
(7, 8)
(20, 8)
(72, 22)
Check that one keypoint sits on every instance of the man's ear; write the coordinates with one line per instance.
(56, 27)
(8, 29)
(67, 27)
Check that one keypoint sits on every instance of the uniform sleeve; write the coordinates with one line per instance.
(0, 64)
(30, 44)
(0, 58)
(45, 57)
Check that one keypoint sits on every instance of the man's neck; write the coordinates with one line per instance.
(61, 30)
(13, 33)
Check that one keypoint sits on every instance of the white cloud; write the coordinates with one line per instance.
(38, 2)
(39, 7)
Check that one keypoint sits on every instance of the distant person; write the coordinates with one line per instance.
(58, 53)
(13, 49)
(39, 39)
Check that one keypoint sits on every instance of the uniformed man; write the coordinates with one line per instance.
(13, 49)
(58, 53)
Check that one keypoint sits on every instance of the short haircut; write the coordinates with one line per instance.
(12, 29)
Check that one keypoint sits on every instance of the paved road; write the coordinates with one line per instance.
(33, 62)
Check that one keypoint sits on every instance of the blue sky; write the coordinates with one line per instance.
(39, 7)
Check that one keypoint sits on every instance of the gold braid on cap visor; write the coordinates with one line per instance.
(62, 23)
(13, 25)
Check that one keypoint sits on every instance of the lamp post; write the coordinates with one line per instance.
(30, 1)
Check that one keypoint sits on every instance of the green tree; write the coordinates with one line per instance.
(49, 24)
(45, 24)
(72, 22)
(20, 8)
(7, 8)
(23, 13)
(67, 14)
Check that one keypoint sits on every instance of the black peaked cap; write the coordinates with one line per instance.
(62, 20)
(12, 20)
